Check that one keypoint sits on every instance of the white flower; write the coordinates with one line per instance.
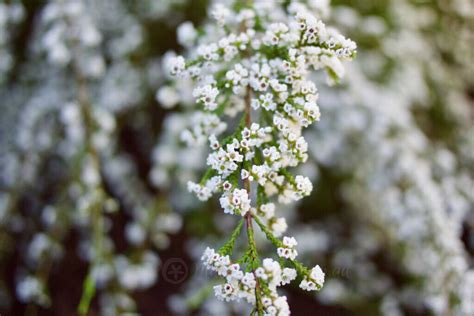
(288, 251)
(303, 185)
(288, 275)
(315, 280)
(28, 288)
(220, 13)
(135, 233)
(207, 95)
(268, 210)
(317, 275)
(289, 242)
(186, 33)
(168, 97)
(227, 292)
(176, 65)
(279, 226)
(236, 201)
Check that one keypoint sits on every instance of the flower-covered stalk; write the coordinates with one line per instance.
(255, 62)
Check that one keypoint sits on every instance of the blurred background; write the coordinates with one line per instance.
(94, 213)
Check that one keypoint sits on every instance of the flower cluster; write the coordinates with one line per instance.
(235, 202)
(257, 63)
(68, 29)
(288, 251)
(314, 281)
(11, 14)
(202, 124)
(239, 284)
(242, 285)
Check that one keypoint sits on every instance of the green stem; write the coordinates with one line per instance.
(248, 217)
(88, 292)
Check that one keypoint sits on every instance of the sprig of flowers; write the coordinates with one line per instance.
(257, 61)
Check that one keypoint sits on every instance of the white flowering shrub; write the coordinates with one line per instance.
(70, 72)
(399, 178)
(252, 64)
